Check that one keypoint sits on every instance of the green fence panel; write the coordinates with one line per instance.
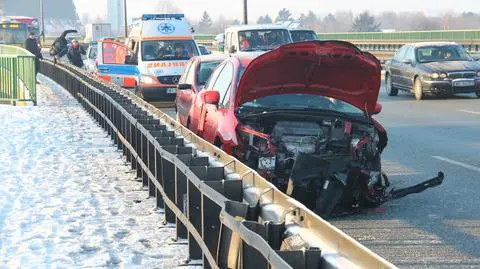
(17, 75)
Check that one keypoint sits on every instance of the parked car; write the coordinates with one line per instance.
(299, 35)
(219, 42)
(204, 50)
(191, 82)
(432, 68)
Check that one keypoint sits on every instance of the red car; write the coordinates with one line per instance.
(192, 81)
(301, 115)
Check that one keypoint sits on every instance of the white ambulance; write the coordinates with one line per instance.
(155, 54)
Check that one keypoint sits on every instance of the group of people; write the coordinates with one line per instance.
(59, 49)
(255, 40)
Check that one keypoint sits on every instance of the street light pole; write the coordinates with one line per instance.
(125, 17)
(42, 15)
(245, 13)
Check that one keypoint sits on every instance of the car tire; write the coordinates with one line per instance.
(391, 91)
(418, 89)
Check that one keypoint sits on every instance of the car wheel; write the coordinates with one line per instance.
(391, 91)
(418, 89)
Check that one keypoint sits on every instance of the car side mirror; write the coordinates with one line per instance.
(232, 49)
(211, 97)
(184, 86)
(377, 109)
(407, 61)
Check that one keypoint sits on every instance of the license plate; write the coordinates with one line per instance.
(171, 90)
(467, 83)
(117, 80)
(266, 163)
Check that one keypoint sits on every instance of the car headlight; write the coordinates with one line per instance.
(434, 75)
(478, 74)
(148, 80)
(443, 75)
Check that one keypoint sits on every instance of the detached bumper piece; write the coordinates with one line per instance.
(436, 181)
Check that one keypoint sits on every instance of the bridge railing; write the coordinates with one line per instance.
(17, 75)
(229, 215)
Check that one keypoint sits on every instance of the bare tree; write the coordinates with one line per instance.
(364, 22)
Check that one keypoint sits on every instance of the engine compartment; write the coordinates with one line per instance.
(300, 152)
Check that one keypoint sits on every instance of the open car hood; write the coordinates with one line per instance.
(333, 69)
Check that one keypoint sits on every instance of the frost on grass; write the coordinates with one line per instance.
(67, 196)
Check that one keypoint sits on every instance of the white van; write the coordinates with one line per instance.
(159, 46)
(246, 39)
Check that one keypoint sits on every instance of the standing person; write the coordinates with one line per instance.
(31, 44)
(74, 54)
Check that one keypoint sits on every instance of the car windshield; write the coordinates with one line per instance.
(442, 54)
(303, 102)
(205, 70)
(298, 36)
(253, 40)
(162, 50)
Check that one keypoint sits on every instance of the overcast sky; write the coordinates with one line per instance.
(194, 8)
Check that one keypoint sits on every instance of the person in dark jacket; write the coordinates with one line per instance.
(75, 54)
(60, 45)
(32, 45)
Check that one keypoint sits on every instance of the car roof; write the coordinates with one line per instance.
(212, 57)
(255, 27)
(301, 30)
(426, 44)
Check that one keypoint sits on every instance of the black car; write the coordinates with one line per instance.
(432, 68)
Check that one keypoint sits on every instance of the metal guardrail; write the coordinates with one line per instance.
(17, 75)
(231, 217)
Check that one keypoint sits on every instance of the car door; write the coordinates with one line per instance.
(408, 69)
(197, 123)
(186, 94)
(114, 64)
(216, 113)
(395, 67)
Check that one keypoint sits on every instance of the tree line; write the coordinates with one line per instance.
(346, 21)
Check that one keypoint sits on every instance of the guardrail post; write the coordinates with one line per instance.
(195, 218)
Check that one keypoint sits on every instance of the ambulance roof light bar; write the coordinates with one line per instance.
(147, 17)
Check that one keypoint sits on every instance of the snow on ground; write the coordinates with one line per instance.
(67, 197)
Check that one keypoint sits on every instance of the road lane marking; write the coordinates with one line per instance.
(464, 165)
(469, 111)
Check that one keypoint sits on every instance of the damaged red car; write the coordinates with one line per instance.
(301, 115)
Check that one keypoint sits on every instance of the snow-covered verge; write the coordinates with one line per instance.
(67, 197)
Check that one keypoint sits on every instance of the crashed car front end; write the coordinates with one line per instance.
(306, 154)
(305, 123)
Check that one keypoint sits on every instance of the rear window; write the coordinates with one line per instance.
(205, 70)
(164, 50)
(299, 36)
(93, 53)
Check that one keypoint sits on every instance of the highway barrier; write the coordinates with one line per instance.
(17, 75)
(229, 215)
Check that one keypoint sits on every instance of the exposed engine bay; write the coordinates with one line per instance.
(331, 164)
